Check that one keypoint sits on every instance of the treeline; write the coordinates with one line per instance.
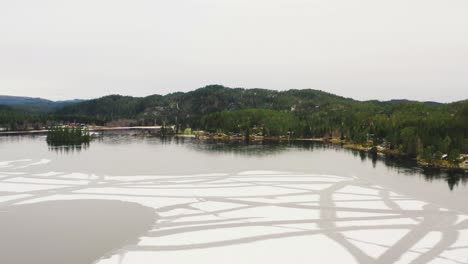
(17, 119)
(415, 128)
(67, 135)
(264, 122)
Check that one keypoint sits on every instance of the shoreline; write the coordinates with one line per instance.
(437, 164)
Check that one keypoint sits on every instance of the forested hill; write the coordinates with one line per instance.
(416, 128)
(202, 101)
(217, 98)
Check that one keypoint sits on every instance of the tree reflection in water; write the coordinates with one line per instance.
(68, 149)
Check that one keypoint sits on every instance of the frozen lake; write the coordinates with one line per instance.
(134, 200)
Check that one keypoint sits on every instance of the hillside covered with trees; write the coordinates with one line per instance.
(415, 128)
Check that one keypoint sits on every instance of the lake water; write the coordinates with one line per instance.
(169, 199)
(123, 154)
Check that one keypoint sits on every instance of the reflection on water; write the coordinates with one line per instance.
(403, 165)
(257, 200)
(264, 148)
(453, 177)
(240, 147)
(125, 153)
(68, 149)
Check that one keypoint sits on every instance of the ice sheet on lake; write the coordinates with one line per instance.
(258, 217)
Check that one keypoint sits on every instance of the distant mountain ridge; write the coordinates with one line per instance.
(413, 101)
(34, 103)
(18, 100)
(23, 100)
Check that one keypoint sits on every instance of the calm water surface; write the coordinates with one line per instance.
(126, 155)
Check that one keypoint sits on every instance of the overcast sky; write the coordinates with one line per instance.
(364, 49)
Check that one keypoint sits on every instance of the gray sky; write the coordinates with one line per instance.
(365, 49)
